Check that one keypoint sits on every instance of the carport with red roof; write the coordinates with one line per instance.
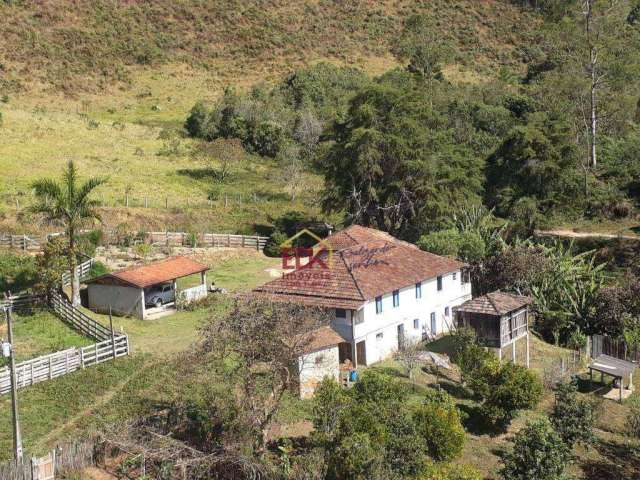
(144, 290)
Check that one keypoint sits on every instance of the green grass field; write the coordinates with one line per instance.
(41, 333)
(143, 161)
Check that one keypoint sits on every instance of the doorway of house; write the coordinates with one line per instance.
(400, 336)
(344, 352)
(361, 352)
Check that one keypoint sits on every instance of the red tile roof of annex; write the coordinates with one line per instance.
(154, 273)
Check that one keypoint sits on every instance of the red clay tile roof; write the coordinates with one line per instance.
(153, 273)
(495, 303)
(358, 235)
(321, 338)
(360, 272)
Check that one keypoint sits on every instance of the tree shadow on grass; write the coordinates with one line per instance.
(205, 173)
(618, 462)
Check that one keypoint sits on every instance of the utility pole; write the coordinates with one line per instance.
(17, 440)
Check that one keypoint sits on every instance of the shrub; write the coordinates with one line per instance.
(17, 272)
(360, 458)
(467, 353)
(273, 247)
(504, 388)
(472, 247)
(439, 424)
(538, 452)
(98, 269)
(510, 388)
(449, 471)
(266, 139)
(572, 417)
(442, 242)
(371, 431)
(198, 122)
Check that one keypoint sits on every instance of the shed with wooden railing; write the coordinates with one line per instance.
(499, 319)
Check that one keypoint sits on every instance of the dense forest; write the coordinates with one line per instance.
(404, 150)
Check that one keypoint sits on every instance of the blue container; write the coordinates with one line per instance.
(353, 375)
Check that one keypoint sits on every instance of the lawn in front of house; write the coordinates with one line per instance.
(170, 334)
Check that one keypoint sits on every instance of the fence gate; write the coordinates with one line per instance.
(43, 468)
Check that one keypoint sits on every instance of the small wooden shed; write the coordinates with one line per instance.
(499, 319)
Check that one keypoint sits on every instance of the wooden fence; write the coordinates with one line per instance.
(65, 459)
(207, 240)
(603, 344)
(78, 320)
(53, 365)
(20, 242)
(108, 347)
(33, 243)
(82, 271)
(22, 301)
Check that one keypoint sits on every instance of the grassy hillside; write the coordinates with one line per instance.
(91, 44)
(109, 85)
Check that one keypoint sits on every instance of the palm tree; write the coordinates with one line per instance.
(68, 204)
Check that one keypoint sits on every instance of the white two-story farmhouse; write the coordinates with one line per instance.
(381, 291)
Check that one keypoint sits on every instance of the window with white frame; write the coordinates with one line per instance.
(439, 281)
(455, 275)
(396, 298)
(379, 336)
(416, 323)
(446, 311)
(419, 290)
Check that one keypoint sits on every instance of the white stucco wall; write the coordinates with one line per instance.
(124, 301)
(369, 323)
(314, 367)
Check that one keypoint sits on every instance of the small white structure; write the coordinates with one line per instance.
(127, 292)
(320, 360)
(381, 291)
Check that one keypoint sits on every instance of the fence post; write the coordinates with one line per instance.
(113, 335)
(24, 242)
(82, 358)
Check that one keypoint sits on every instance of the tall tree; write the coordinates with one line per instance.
(394, 164)
(68, 204)
(256, 346)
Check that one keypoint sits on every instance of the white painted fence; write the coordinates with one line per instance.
(192, 294)
(82, 271)
(60, 363)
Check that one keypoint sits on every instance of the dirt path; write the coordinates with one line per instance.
(563, 233)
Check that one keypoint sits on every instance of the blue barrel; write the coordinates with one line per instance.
(353, 375)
